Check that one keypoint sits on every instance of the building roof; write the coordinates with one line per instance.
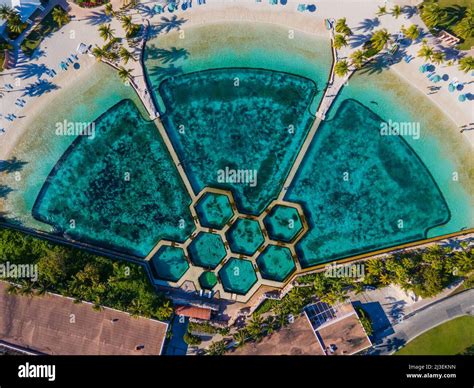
(194, 312)
(53, 324)
(295, 339)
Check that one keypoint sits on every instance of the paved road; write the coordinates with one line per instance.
(424, 319)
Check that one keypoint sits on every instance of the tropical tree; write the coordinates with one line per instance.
(109, 10)
(357, 58)
(412, 32)
(240, 337)
(433, 15)
(124, 73)
(99, 52)
(425, 52)
(13, 289)
(216, 349)
(339, 41)
(126, 22)
(396, 11)
(14, 23)
(379, 39)
(466, 64)
(465, 28)
(382, 11)
(60, 16)
(342, 27)
(6, 11)
(438, 57)
(341, 68)
(126, 55)
(254, 328)
(106, 32)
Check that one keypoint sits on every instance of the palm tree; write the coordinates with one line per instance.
(396, 11)
(466, 64)
(426, 52)
(126, 23)
(379, 39)
(124, 74)
(5, 11)
(14, 23)
(109, 10)
(13, 289)
(254, 327)
(438, 57)
(339, 41)
(60, 16)
(240, 337)
(412, 32)
(465, 28)
(382, 11)
(433, 15)
(106, 32)
(99, 52)
(357, 58)
(216, 349)
(341, 68)
(342, 27)
(126, 55)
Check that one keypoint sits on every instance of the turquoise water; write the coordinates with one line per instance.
(362, 191)
(207, 250)
(238, 276)
(276, 263)
(243, 138)
(169, 263)
(214, 210)
(283, 223)
(245, 236)
(120, 188)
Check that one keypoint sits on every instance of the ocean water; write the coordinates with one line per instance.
(275, 263)
(119, 189)
(362, 191)
(247, 122)
(40, 148)
(238, 276)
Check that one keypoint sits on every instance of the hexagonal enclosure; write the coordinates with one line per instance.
(208, 280)
(283, 223)
(245, 236)
(207, 250)
(169, 263)
(238, 276)
(214, 210)
(276, 263)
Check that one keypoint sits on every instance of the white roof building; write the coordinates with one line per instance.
(24, 7)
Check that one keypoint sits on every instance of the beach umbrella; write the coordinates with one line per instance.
(283, 2)
(422, 68)
(436, 78)
(460, 87)
(451, 88)
(445, 77)
(311, 8)
(462, 98)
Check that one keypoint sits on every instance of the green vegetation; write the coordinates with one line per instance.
(342, 27)
(52, 22)
(365, 320)
(379, 39)
(341, 68)
(466, 64)
(206, 328)
(358, 58)
(339, 41)
(4, 45)
(15, 26)
(191, 339)
(450, 338)
(454, 16)
(83, 276)
(412, 32)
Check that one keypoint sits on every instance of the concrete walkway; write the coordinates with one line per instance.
(425, 319)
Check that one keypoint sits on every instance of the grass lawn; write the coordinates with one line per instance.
(449, 338)
(46, 27)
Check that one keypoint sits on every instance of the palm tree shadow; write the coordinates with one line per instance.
(358, 40)
(409, 11)
(167, 55)
(145, 10)
(160, 73)
(97, 18)
(169, 24)
(11, 165)
(368, 24)
(6, 219)
(4, 191)
(28, 70)
(455, 14)
(376, 66)
(39, 88)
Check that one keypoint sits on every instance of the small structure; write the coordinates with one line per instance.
(200, 313)
(448, 38)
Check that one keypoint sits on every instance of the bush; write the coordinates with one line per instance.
(191, 339)
(365, 321)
